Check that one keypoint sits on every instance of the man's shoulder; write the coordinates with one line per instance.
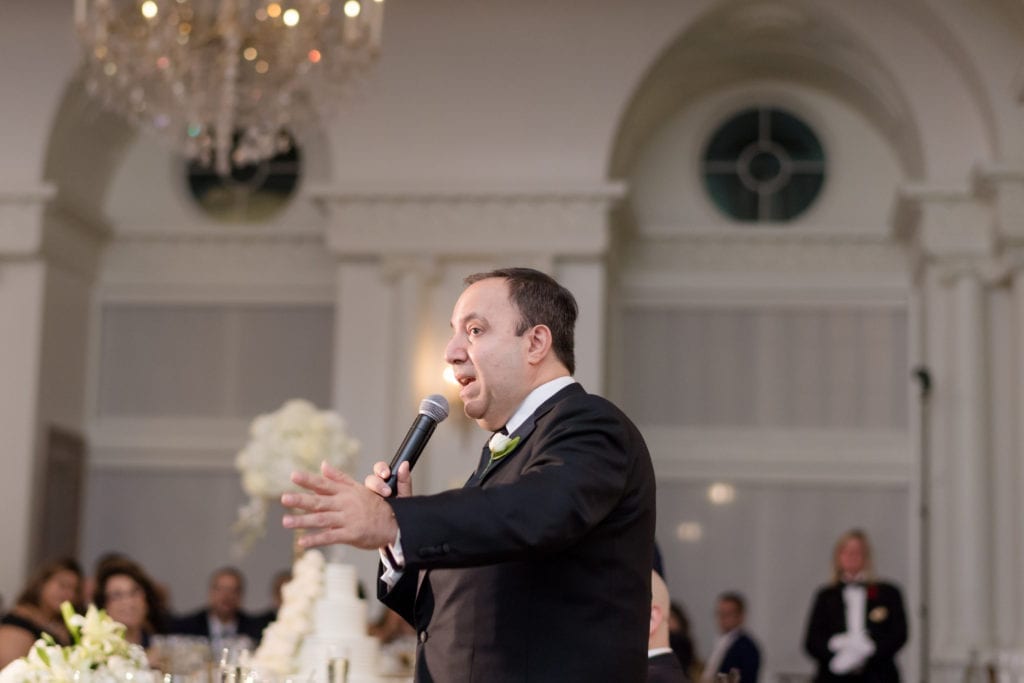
(191, 623)
(575, 399)
(746, 641)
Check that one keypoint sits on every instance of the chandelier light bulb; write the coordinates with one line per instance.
(216, 77)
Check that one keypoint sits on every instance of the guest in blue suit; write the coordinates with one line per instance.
(734, 649)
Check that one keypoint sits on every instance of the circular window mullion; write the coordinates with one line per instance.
(763, 164)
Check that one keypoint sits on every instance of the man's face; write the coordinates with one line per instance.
(489, 360)
(729, 615)
(225, 596)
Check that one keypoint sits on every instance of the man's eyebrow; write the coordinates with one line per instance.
(468, 316)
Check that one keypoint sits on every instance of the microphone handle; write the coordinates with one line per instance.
(412, 445)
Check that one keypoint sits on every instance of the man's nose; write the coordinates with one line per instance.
(454, 352)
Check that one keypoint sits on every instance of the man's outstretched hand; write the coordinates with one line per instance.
(341, 510)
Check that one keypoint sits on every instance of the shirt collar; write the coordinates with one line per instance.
(534, 400)
(658, 651)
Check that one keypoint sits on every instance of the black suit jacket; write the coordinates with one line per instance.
(198, 624)
(540, 569)
(885, 621)
(665, 668)
(744, 656)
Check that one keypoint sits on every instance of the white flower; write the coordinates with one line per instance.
(100, 653)
(295, 437)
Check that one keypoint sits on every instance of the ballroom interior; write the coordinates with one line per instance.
(795, 229)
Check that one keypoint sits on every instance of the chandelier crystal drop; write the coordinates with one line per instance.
(226, 81)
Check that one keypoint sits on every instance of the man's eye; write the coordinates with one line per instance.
(474, 331)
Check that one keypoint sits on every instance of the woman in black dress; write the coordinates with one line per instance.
(857, 623)
(37, 609)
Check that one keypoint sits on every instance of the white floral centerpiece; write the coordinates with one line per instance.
(295, 437)
(99, 654)
(282, 639)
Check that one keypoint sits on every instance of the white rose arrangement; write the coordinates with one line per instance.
(281, 640)
(295, 437)
(99, 654)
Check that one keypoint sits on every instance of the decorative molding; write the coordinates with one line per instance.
(166, 443)
(790, 254)
(21, 215)
(210, 263)
(567, 220)
(685, 289)
(802, 456)
(1003, 185)
(221, 234)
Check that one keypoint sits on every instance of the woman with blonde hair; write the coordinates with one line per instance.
(857, 623)
(37, 609)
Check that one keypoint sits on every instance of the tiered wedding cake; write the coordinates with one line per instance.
(321, 618)
(339, 629)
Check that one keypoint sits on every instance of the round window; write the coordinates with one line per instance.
(252, 192)
(763, 165)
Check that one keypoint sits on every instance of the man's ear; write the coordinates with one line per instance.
(657, 617)
(539, 339)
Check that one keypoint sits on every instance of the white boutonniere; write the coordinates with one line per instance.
(878, 614)
(500, 446)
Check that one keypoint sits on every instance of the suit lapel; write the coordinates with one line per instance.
(525, 430)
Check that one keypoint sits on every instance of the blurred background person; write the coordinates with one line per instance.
(276, 584)
(662, 664)
(131, 597)
(680, 638)
(734, 649)
(857, 624)
(222, 621)
(37, 609)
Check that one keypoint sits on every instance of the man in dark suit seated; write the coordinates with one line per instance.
(222, 619)
(734, 649)
(539, 568)
(662, 664)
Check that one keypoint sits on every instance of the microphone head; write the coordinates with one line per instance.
(435, 407)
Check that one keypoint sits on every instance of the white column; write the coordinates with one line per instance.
(1015, 539)
(22, 308)
(970, 467)
(21, 313)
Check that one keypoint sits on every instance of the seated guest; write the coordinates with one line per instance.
(37, 609)
(857, 623)
(681, 640)
(222, 620)
(130, 597)
(89, 582)
(734, 649)
(662, 665)
(276, 584)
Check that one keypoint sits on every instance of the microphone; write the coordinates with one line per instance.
(433, 409)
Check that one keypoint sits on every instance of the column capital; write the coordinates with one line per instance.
(947, 222)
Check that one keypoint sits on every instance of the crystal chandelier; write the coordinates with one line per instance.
(226, 81)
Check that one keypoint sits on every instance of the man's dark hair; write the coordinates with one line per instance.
(228, 570)
(736, 599)
(540, 301)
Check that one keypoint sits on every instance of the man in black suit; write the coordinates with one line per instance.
(662, 664)
(539, 568)
(222, 619)
(735, 649)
